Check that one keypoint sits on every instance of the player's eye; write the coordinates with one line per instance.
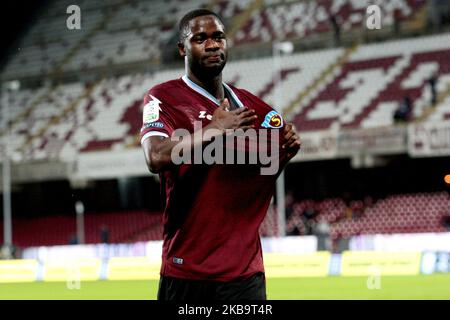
(199, 39)
(219, 37)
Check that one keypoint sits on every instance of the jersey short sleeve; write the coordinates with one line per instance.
(155, 119)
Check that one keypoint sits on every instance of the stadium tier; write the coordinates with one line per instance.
(365, 91)
(403, 213)
(406, 213)
(326, 93)
(61, 230)
(113, 32)
(358, 87)
(124, 32)
(278, 20)
(361, 198)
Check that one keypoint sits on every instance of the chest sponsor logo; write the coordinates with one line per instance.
(151, 110)
(272, 120)
(204, 115)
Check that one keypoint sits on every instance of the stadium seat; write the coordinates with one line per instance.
(59, 230)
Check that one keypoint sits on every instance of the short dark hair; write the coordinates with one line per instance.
(184, 22)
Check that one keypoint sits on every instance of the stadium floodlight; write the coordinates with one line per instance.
(279, 48)
(9, 88)
(13, 85)
(79, 208)
(285, 47)
(447, 178)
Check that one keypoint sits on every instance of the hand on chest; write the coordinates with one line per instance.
(266, 118)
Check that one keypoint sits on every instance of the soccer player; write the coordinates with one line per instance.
(212, 213)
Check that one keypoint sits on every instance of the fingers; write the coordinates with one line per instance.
(248, 114)
(225, 105)
(246, 121)
(247, 118)
(247, 127)
(295, 144)
(292, 148)
(239, 111)
(291, 137)
(288, 127)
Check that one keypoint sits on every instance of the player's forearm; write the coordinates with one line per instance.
(159, 152)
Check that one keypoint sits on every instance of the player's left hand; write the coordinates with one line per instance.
(292, 140)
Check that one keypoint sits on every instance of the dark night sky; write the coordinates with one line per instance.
(15, 16)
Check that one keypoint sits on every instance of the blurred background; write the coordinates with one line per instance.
(369, 92)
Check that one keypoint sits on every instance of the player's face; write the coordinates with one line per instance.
(205, 46)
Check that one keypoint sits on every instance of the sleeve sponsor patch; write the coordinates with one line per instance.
(158, 125)
(272, 120)
(151, 110)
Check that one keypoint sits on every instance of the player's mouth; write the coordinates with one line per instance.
(214, 58)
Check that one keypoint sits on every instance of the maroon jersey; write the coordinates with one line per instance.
(212, 212)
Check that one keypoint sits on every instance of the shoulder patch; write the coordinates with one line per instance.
(151, 110)
(272, 120)
(147, 125)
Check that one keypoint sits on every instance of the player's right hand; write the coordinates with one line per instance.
(241, 118)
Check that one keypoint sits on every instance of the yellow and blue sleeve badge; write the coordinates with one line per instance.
(272, 120)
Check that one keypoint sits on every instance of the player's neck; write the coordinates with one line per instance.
(212, 85)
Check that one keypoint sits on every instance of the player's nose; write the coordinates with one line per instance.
(211, 45)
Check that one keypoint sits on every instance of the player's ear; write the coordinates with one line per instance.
(181, 49)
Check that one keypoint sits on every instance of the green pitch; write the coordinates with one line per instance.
(398, 287)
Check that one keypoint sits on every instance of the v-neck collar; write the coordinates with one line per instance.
(209, 96)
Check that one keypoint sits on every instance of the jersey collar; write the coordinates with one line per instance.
(207, 95)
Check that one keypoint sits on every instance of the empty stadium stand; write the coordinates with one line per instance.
(124, 31)
(403, 213)
(277, 20)
(358, 86)
(60, 230)
(355, 88)
(112, 33)
(365, 90)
